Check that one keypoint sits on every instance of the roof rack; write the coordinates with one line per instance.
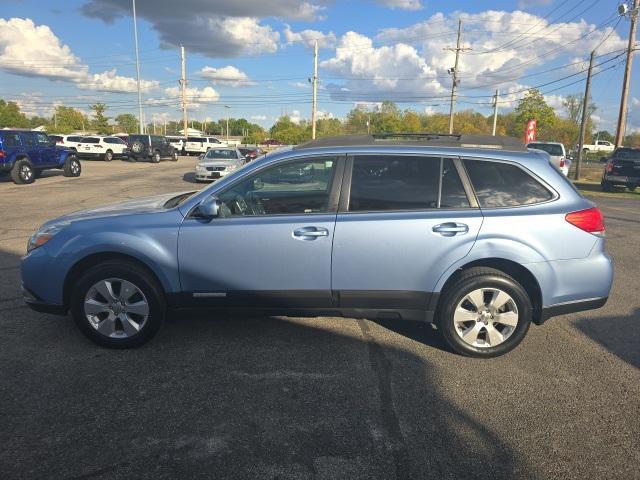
(419, 139)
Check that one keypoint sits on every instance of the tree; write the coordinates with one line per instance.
(11, 116)
(285, 131)
(68, 119)
(127, 122)
(534, 107)
(100, 121)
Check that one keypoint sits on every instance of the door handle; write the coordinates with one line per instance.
(310, 233)
(450, 229)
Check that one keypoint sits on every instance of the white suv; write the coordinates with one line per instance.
(200, 145)
(69, 141)
(105, 148)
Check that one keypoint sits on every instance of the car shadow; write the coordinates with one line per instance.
(233, 397)
(189, 177)
(619, 334)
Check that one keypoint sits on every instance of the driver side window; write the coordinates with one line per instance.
(291, 188)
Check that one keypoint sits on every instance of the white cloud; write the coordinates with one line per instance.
(502, 45)
(402, 4)
(32, 50)
(196, 97)
(228, 75)
(324, 115)
(110, 81)
(308, 38)
(258, 118)
(635, 102)
(395, 72)
(213, 28)
(295, 116)
(554, 101)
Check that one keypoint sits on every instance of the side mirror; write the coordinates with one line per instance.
(201, 156)
(209, 208)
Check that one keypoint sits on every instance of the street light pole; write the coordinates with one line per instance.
(227, 107)
(135, 37)
(622, 115)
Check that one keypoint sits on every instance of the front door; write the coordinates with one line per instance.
(405, 220)
(47, 149)
(270, 246)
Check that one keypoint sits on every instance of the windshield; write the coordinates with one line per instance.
(219, 154)
(550, 148)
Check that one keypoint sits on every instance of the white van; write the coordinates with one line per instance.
(198, 145)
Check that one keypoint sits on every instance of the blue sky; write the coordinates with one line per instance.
(255, 56)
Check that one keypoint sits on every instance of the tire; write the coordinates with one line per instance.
(112, 320)
(606, 186)
(22, 172)
(481, 327)
(72, 167)
(108, 156)
(174, 156)
(631, 189)
(585, 150)
(156, 157)
(137, 147)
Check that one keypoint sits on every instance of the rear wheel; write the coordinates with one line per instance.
(72, 167)
(22, 172)
(484, 313)
(118, 305)
(108, 156)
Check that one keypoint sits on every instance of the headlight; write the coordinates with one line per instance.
(43, 235)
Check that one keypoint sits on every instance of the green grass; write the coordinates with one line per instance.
(593, 189)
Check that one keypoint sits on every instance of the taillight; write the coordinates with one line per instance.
(562, 162)
(3, 154)
(609, 167)
(589, 220)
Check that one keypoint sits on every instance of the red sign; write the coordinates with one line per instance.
(531, 132)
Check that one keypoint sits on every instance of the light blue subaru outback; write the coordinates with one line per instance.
(476, 234)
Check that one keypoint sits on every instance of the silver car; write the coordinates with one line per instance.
(217, 163)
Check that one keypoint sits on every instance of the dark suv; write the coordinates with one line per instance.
(151, 147)
(623, 169)
(25, 154)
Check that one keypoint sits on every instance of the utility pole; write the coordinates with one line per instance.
(454, 75)
(314, 105)
(495, 112)
(135, 38)
(183, 84)
(585, 116)
(227, 107)
(622, 116)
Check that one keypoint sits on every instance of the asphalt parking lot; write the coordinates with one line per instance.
(289, 398)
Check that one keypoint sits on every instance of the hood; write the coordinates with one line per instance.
(138, 205)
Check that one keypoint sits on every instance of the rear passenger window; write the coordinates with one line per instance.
(502, 185)
(382, 183)
(11, 140)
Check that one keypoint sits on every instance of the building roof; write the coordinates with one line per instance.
(419, 140)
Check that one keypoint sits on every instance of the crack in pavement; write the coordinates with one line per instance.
(381, 366)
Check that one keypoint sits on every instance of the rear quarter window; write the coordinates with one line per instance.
(10, 139)
(500, 184)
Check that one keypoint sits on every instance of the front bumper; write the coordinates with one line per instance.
(210, 176)
(39, 305)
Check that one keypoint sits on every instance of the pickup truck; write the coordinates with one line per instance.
(623, 170)
(599, 146)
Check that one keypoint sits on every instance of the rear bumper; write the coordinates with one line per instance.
(572, 307)
(625, 180)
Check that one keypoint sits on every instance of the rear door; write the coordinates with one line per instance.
(31, 147)
(403, 220)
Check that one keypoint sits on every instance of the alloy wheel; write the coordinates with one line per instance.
(485, 317)
(26, 172)
(116, 308)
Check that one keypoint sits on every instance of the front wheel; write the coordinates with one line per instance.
(108, 156)
(174, 157)
(118, 305)
(22, 172)
(484, 313)
(72, 167)
(156, 157)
